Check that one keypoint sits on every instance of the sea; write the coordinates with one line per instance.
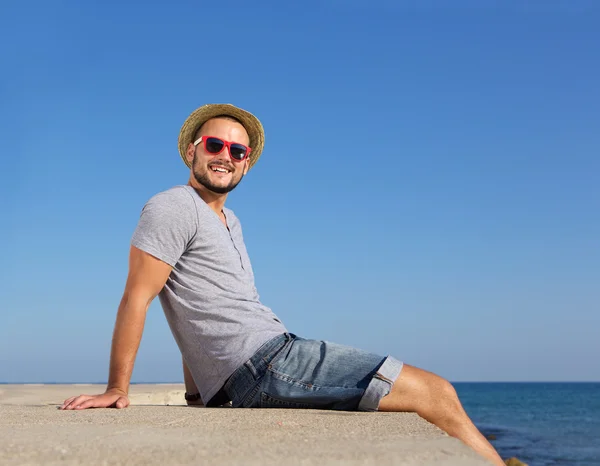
(541, 424)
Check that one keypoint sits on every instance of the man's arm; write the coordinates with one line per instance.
(147, 276)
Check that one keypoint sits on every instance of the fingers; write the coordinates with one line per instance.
(92, 402)
(96, 401)
(74, 401)
(67, 402)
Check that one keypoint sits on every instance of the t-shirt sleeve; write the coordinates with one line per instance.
(167, 224)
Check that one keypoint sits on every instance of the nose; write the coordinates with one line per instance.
(224, 157)
(224, 153)
(228, 152)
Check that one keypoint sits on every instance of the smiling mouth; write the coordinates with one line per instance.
(219, 169)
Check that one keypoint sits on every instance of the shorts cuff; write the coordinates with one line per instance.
(380, 384)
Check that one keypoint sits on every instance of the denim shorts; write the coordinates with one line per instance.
(292, 372)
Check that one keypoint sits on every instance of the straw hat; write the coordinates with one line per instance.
(206, 112)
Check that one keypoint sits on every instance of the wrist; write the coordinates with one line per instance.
(117, 391)
(192, 397)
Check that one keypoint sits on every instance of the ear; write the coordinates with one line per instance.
(246, 165)
(189, 153)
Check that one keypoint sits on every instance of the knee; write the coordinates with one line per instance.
(451, 408)
(446, 390)
(443, 399)
(423, 392)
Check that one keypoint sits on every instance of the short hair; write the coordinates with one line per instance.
(222, 117)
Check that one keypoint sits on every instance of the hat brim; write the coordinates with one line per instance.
(201, 115)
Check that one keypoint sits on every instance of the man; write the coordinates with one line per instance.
(188, 249)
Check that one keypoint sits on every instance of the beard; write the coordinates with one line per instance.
(203, 177)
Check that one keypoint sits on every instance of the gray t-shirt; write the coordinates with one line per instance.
(210, 300)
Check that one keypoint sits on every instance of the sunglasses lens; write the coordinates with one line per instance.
(238, 151)
(214, 145)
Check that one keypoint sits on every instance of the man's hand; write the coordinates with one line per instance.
(110, 399)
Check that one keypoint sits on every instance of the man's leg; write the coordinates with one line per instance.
(435, 400)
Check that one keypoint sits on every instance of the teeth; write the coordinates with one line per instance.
(219, 169)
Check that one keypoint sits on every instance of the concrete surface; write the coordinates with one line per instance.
(34, 431)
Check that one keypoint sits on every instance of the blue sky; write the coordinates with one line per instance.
(429, 187)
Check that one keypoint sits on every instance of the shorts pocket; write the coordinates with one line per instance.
(271, 358)
(267, 401)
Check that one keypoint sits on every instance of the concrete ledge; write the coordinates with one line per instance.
(34, 431)
(39, 394)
